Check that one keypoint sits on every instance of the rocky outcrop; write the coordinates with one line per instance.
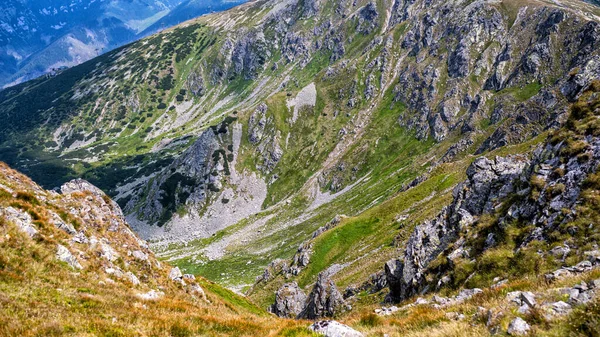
(489, 181)
(188, 180)
(301, 258)
(195, 83)
(63, 254)
(249, 55)
(289, 301)
(367, 18)
(324, 300)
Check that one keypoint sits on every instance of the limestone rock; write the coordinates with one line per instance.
(518, 327)
(63, 254)
(334, 329)
(175, 274)
(324, 300)
(20, 218)
(289, 301)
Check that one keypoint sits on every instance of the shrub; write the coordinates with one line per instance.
(585, 321)
(370, 320)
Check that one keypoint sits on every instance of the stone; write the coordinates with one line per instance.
(518, 327)
(80, 238)
(334, 329)
(63, 254)
(151, 295)
(108, 252)
(560, 252)
(421, 301)
(289, 301)
(499, 284)
(131, 276)
(560, 308)
(324, 300)
(175, 274)
(139, 255)
(528, 298)
(197, 290)
(58, 222)
(455, 316)
(466, 294)
(22, 219)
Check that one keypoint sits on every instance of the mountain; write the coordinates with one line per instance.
(70, 265)
(46, 36)
(326, 156)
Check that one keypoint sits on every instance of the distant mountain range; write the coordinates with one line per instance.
(39, 37)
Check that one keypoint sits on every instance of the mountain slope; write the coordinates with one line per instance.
(230, 139)
(70, 265)
(43, 37)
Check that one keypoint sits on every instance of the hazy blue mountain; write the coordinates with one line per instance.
(38, 37)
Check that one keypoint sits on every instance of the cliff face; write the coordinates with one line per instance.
(543, 204)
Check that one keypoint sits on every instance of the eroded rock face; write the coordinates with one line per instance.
(324, 300)
(187, 181)
(195, 83)
(289, 301)
(489, 181)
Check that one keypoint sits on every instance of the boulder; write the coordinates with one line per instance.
(20, 218)
(289, 301)
(63, 254)
(175, 274)
(518, 327)
(324, 300)
(334, 329)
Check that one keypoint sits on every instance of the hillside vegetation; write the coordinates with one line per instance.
(335, 158)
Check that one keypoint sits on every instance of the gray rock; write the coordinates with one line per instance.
(108, 252)
(518, 327)
(334, 329)
(560, 252)
(58, 222)
(151, 295)
(324, 300)
(175, 274)
(197, 290)
(20, 218)
(528, 298)
(458, 62)
(139, 255)
(63, 254)
(560, 308)
(488, 182)
(289, 301)
(134, 279)
(80, 238)
(367, 18)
